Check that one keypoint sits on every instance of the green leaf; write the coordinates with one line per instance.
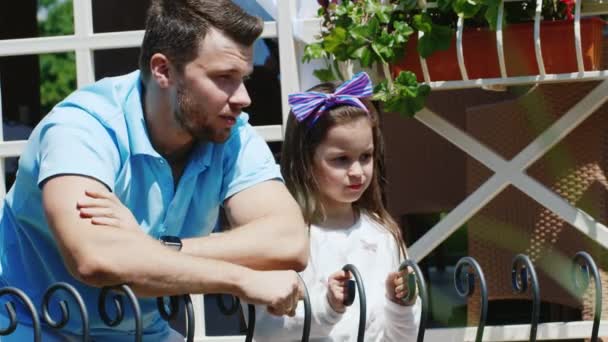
(438, 39)
(402, 32)
(364, 55)
(445, 5)
(406, 96)
(491, 14)
(313, 51)
(324, 75)
(406, 78)
(408, 5)
(334, 41)
(360, 32)
(377, 10)
(466, 8)
(423, 22)
(381, 92)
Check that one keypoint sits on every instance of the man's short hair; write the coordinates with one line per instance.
(175, 28)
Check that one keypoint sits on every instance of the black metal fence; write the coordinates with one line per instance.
(467, 270)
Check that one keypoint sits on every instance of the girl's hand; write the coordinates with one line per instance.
(397, 289)
(105, 209)
(337, 290)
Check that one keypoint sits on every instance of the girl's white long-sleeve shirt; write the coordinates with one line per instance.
(374, 252)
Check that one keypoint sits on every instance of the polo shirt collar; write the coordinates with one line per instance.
(138, 132)
(136, 125)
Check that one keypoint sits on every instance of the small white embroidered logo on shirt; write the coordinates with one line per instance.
(372, 247)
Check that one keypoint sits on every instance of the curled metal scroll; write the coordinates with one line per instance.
(465, 286)
(362, 300)
(189, 318)
(586, 265)
(307, 312)
(174, 312)
(63, 306)
(522, 273)
(415, 281)
(173, 307)
(118, 304)
(234, 308)
(12, 315)
(250, 322)
(235, 305)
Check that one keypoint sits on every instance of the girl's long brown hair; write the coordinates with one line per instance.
(297, 158)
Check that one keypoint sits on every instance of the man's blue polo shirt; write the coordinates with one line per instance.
(99, 131)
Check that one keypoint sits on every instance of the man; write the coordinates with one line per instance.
(172, 145)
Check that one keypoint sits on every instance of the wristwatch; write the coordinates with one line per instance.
(171, 241)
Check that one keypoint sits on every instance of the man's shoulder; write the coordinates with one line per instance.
(104, 99)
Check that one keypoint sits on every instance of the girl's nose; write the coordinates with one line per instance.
(355, 170)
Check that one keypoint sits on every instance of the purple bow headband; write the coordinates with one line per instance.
(305, 104)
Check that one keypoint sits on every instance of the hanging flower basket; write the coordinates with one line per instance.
(481, 57)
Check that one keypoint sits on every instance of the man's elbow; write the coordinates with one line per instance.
(299, 251)
(300, 260)
(93, 271)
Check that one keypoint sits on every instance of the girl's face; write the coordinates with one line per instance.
(344, 163)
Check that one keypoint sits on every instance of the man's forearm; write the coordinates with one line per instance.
(263, 244)
(152, 269)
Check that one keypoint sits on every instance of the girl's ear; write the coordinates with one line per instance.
(160, 70)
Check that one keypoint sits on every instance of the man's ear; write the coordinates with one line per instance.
(160, 70)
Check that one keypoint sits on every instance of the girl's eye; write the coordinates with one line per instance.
(341, 159)
(366, 157)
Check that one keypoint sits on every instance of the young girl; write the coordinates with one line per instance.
(330, 160)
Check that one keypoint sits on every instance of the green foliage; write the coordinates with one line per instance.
(58, 78)
(57, 71)
(405, 96)
(376, 33)
(372, 32)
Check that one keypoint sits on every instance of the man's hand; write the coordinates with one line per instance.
(105, 209)
(279, 290)
(337, 290)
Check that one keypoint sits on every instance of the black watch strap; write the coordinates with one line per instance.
(171, 241)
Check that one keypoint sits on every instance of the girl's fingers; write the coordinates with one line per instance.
(97, 194)
(398, 281)
(340, 275)
(90, 202)
(105, 221)
(106, 195)
(96, 212)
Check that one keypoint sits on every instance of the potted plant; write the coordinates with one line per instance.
(392, 35)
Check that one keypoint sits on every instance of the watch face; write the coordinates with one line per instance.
(171, 241)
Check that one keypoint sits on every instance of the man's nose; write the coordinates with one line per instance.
(240, 98)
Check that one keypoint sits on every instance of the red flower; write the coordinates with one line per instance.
(569, 6)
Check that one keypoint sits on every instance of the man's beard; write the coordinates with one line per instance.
(187, 111)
